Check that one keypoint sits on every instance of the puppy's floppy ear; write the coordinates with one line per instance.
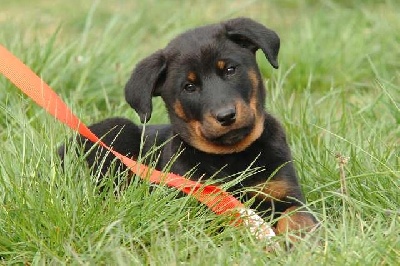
(254, 36)
(144, 83)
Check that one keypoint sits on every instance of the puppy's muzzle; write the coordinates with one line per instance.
(228, 124)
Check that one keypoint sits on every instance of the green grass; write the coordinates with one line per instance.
(337, 92)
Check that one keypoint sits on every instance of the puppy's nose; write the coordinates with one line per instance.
(226, 116)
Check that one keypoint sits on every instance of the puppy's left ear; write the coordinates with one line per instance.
(253, 35)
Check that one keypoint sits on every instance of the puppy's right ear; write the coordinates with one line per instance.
(144, 83)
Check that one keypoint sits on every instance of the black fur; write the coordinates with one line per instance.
(214, 93)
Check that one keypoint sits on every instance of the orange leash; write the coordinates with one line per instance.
(218, 200)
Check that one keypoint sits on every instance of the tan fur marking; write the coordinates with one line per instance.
(192, 76)
(221, 64)
(276, 189)
(272, 190)
(178, 109)
(297, 222)
(254, 79)
(253, 96)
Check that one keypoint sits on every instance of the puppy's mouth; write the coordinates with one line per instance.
(232, 137)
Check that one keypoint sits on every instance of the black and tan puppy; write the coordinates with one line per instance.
(214, 93)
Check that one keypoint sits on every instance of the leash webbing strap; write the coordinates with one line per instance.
(218, 200)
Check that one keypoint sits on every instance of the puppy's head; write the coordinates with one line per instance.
(209, 80)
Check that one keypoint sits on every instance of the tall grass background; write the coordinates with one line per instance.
(336, 92)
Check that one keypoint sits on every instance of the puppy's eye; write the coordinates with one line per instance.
(190, 87)
(229, 71)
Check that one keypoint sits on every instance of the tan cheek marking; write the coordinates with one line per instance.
(241, 113)
(296, 222)
(255, 83)
(178, 109)
(254, 79)
(191, 76)
(221, 65)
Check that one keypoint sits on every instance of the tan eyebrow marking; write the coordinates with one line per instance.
(221, 64)
(191, 76)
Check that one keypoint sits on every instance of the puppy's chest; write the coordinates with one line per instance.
(249, 167)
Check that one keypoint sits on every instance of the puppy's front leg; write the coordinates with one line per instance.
(281, 196)
(296, 221)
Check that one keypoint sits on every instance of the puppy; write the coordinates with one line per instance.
(213, 91)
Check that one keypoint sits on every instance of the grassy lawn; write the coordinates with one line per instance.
(337, 93)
